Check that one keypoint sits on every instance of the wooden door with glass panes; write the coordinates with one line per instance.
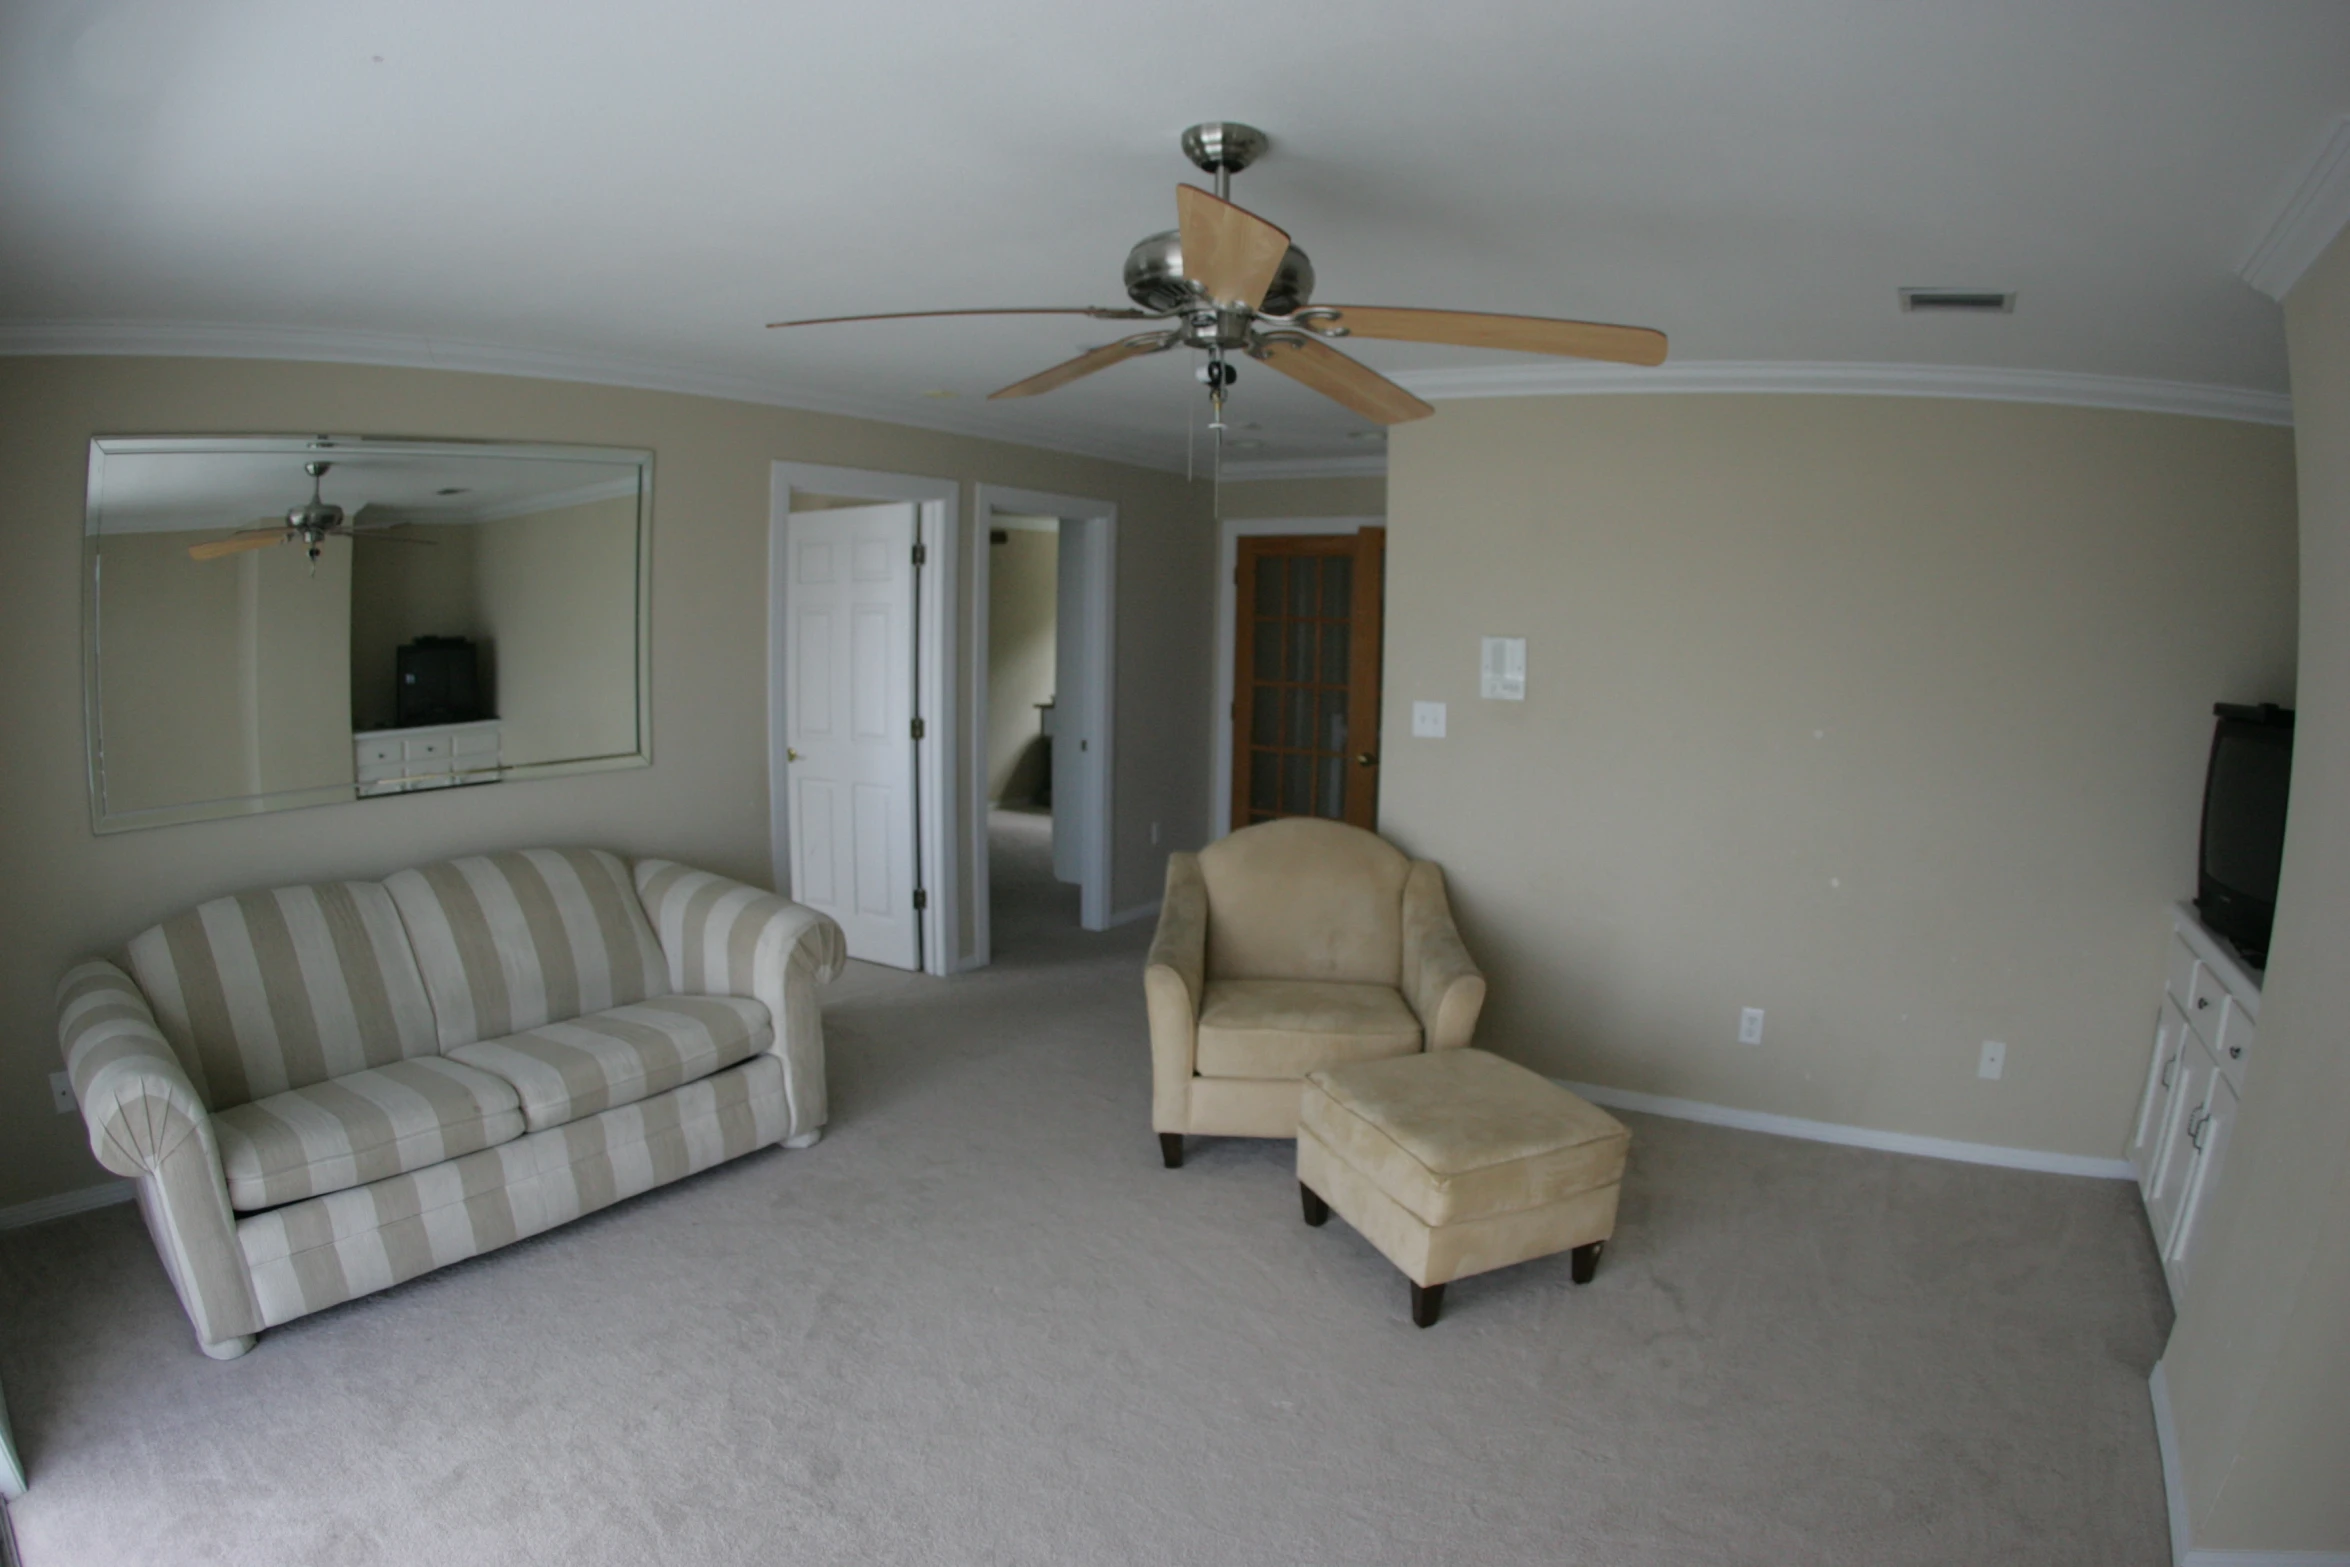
(1305, 707)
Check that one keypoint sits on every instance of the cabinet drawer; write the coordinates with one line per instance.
(2178, 975)
(2234, 1044)
(2207, 1003)
(374, 753)
(425, 748)
(476, 742)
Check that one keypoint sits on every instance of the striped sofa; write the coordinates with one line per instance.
(326, 1090)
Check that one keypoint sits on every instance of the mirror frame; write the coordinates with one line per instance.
(303, 446)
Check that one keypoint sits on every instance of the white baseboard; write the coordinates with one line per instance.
(1141, 911)
(2174, 1487)
(42, 1209)
(1855, 1136)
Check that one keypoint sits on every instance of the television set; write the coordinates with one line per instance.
(439, 683)
(2243, 840)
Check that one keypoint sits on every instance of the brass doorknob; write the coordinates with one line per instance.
(790, 755)
(1366, 759)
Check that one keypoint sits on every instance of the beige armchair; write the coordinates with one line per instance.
(1290, 946)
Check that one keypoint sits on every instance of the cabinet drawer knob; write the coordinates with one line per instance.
(2235, 1052)
(2201, 1002)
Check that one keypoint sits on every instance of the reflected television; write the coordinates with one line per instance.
(2243, 840)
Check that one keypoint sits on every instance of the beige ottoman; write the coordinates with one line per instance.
(1454, 1162)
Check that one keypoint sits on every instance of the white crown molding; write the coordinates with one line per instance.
(1366, 465)
(622, 488)
(1854, 1136)
(42, 1209)
(2312, 216)
(1980, 382)
(180, 340)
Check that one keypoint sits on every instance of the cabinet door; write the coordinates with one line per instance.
(2206, 1135)
(2174, 1156)
(2162, 1073)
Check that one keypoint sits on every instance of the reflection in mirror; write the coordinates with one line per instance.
(440, 614)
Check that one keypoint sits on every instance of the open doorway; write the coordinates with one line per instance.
(1042, 694)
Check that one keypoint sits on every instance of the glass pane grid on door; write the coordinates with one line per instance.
(1301, 655)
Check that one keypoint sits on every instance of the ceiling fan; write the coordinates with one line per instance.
(313, 522)
(1231, 283)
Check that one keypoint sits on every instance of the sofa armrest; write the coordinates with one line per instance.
(726, 938)
(1440, 982)
(1172, 984)
(146, 1120)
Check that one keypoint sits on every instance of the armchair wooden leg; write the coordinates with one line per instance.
(1317, 1211)
(1584, 1261)
(1427, 1301)
(1171, 1149)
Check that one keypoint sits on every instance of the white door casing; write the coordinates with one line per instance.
(849, 609)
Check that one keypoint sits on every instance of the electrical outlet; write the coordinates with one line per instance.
(1994, 1060)
(61, 1092)
(1750, 1025)
(1428, 720)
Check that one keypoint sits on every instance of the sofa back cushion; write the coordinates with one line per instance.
(269, 991)
(1303, 898)
(513, 941)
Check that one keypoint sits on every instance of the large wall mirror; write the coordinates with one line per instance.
(283, 621)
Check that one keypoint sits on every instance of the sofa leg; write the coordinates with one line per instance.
(1427, 1301)
(1171, 1149)
(807, 1139)
(229, 1348)
(1317, 1211)
(1584, 1261)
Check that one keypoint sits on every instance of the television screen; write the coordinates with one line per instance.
(2244, 797)
(439, 683)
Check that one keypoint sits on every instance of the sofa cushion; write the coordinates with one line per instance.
(1289, 1027)
(361, 1127)
(509, 941)
(268, 991)
(562, 1071)
(1456, 1135)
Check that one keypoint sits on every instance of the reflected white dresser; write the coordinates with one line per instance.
(2203, 1044)
(436, 756)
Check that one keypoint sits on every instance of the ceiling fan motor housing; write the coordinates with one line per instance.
(1155, 280)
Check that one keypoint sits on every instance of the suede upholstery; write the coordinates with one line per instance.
(1291, 946)
(1458, 1163)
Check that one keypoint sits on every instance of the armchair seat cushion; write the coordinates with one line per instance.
(1285, 1028)
(563, 1071)
(361, 1127)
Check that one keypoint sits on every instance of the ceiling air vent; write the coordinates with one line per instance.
(1972, 301)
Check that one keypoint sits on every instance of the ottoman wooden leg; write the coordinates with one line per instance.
(1584, 1261)
(1317, 1211)
(1171, 1149)
(1427, 1301)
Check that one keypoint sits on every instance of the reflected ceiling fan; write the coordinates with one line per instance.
(1231, 283)
(313, 522)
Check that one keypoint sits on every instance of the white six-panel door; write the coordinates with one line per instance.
(849, 663)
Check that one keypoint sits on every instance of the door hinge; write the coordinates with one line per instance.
(921, 554)
(921, 899)
(917, 728)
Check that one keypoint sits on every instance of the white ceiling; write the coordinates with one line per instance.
(624, 190)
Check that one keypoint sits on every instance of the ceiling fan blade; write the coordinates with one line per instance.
(1229, 251)
(1631, 345)
(236, 544)
(1341, 379)
(1098, 312)
(1087, 363)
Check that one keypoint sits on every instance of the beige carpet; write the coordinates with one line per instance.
(980, 1324)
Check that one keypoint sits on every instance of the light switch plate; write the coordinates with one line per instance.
(1502, 675)
(1428, 720)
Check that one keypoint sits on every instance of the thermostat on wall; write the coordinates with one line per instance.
(1504, 670)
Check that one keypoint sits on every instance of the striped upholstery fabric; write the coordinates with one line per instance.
(728, 939)
(316, 1254)
(507, 942)
(361, 1127)
(566, 1070)
(267, 991)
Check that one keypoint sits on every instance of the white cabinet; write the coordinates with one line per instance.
(2203, 1043)
(393, 761)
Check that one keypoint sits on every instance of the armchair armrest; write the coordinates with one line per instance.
(1172, 984)
(1440, 982)
(726, 938)
(146, 1120)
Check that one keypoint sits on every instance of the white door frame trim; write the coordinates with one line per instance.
(938, 511)
(1101, 653)
(1231, 532)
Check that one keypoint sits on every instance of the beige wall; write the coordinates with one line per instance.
(564, 681)
(171, 657)
(2259, 1363)
(1885, 715)
(297, 707)
(705, 798)
(1022, 607)
(1343, 497)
